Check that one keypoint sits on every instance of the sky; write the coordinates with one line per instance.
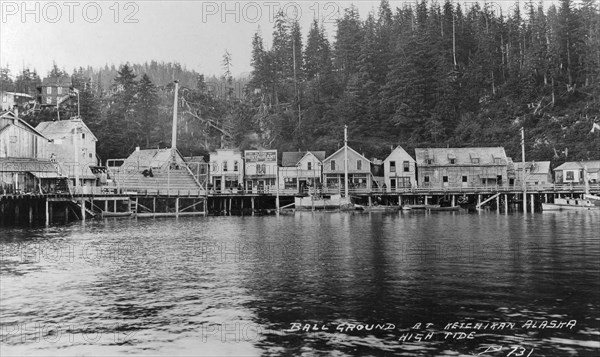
(35, 34)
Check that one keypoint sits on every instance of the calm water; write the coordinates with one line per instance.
(243, 286)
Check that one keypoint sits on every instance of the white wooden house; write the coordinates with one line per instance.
(301, 170)
(400, 170)
(260, 171)
(73, 147)
(359, 171)
(572, 172)
(226, 170)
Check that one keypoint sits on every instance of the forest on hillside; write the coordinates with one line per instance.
(426, 75)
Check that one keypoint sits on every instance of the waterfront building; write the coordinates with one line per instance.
(359, 171)
(533, 173)
(226, 170)
(572, 172)
(461, 167)
(400, 170)
(25, 165)
(73, 147)
(300, 170)
(53, 89)
(154, 171)
(260, 170)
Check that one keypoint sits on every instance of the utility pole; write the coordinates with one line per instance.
(346, 160)
(523, 175)
(174, 133)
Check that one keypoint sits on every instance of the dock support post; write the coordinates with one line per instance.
(498, 203)
(505, 203)
(106, 206)
(478, 200)
(30, 213)
(177, 207)
(66, 214)
(252, 201)
(231, 202)
(83, 209)
(532, 203)
(16, 211)
(153, 206)
(370, 201)
(115, 206)
(47, 210)
(453, 200)
(425, 200)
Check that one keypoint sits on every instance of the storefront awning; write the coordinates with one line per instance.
(47, 175)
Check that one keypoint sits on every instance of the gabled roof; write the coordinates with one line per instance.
(399, 149)
(534, 167)
(156, 158)
(592, 165)
(292, 158)
(21, 122)
(63, 81)
(342, 149)
(62, 128)
(462, 156)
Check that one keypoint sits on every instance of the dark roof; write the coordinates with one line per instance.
(26, 165)
(291, 158)
(442, 156)
(61, 128)
(592, 166)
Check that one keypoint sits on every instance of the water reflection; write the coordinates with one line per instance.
(236, 285)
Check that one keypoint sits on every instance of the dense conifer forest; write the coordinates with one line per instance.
(427, 75)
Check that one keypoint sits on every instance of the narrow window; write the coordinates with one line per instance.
(332, 165)
(406, 165)
(224, 165)
(309, 165)
(392, 166)
(452, 161)
(465, 179)
(359, 164)
(235, 165)
(445, 179)
(426, 179)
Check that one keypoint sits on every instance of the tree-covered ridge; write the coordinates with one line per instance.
(431, 75)
(427, 75)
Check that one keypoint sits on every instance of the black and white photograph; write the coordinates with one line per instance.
(300, 178)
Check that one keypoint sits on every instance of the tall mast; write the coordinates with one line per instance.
(524, 178)
(346, 160)
(174, 133)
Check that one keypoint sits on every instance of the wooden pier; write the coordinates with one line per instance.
(61, 208)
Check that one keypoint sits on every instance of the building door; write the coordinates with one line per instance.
(393, 184)
(261, 186)
(301, 186)
(217, 184)
(249, 186)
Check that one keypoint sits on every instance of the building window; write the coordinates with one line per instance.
(82, 134)
(91, 155)
(48, 100)
(465, 179)
(426, 179)
(452, 161)
(309, 166)
(235, 165)
(359, 164)
(59, 90)
(392, 166)
(475, 160)
(261, 169)
(48, 90)
(406, 165)
(332, 165)
(224, 165)
(429, 161)
(511, 181)
(570, 175)
(444, 178)
(498, 161)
